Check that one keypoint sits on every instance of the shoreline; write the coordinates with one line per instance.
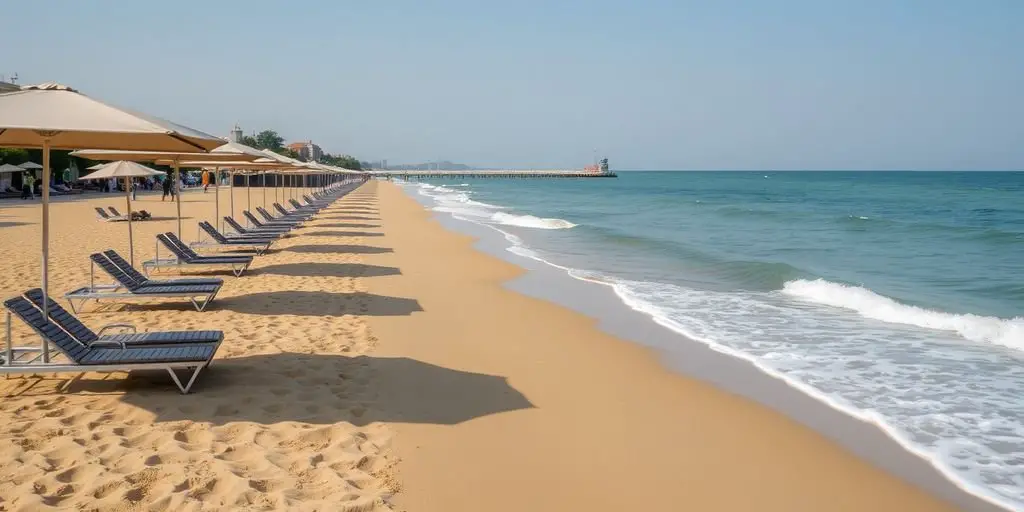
(585, 370)
(731, 372)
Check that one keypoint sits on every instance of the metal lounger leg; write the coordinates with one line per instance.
(185, 388)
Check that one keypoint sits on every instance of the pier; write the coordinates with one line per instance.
(504, 174)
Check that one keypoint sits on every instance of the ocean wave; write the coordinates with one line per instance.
(529, 221)
(986, 329)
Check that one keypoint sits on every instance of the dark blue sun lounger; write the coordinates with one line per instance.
(105, 355)
(129, 288)
(186, 257)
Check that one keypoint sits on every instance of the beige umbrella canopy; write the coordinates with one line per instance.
(10, 168)
(126, 170)
(67, 119)
(52, 115)
(30, 166)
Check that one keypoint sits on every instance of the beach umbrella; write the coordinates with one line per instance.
(126, 170)
(52, 115)
(30, 166)
(259, 164)
(225, 152)
(10, 168)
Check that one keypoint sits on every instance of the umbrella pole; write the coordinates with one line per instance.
(128, 198)
(263, 175)
(231, 191)
(248, 199)
(216, 198)
(46, 243)
(177, 196)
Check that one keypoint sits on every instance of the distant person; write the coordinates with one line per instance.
(167, 189)
(26, 191)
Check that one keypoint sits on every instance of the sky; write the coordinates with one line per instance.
(676, 84)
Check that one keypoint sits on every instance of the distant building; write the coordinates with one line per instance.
(383, 164)
(307, 150)
(236, 134)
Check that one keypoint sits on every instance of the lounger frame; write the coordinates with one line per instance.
(99, 292)
(12, 366)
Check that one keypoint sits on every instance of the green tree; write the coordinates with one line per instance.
(249, 140)
(269, 139)
(13, 156)
(346, 161)
(289, 152)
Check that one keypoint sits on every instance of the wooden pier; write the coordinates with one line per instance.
(503, 174)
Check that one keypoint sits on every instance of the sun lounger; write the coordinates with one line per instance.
(296, 214)
(142, 279)
(128, 288)
(264, 230)
(105, 355)
(184, 257)
(106, 217)
(113, 211)
(291, 223)
(303, 208)
(239, 242)
(86, 336)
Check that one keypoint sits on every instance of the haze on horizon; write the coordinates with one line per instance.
(735, 84)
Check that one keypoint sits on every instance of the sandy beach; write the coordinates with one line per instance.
(375, 361)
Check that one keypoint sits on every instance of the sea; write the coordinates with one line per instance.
(895, 297)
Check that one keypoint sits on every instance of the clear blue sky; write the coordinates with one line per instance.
(726, 84)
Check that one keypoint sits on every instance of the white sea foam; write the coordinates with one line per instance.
(529, 221)
(986, 329)
(458, 203)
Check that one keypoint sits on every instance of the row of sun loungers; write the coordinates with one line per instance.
(183, 354)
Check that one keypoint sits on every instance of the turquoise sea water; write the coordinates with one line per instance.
(897, 297)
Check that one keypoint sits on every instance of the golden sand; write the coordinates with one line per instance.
(274, 423)
(375, 361)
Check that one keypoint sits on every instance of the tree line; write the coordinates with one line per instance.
(270, 139)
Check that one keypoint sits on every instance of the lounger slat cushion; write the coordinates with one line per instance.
(167, 337)
(199, 353)
(197, 289)
(33, 317)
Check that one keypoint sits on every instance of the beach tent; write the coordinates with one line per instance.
(52, 115)
(126, 170)
(230, 151)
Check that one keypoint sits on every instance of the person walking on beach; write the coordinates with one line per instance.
(167, 189)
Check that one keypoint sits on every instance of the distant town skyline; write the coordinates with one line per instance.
(737, 84)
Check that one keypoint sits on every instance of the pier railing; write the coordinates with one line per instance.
(506, 174)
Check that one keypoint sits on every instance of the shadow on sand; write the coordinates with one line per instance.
(342, 233)
(317, 303)
(351, 217)
(327, 269)
(321, 389)
(345, 225)
(339, 248)
(11, 224)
